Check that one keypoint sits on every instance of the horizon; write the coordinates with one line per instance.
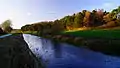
(22, 12)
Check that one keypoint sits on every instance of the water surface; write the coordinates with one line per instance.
(61, 55)
(2, 36)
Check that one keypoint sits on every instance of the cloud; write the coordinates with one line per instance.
(52, 12)
(29, 14)
(109, 6)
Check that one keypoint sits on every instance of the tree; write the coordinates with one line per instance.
(78, 21)
(8, 29)
(83, 12)
(99, 17)
(93, 16)
(26, 27)
(118, 9)
(87, 19)
(69, 20)
(108, 18)
(7, 26)
(1, 31)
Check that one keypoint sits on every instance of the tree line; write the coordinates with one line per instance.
(96, 18)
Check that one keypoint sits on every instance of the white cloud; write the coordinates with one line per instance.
(109, 6)
(29, 14)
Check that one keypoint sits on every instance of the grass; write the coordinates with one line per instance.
(24, 32)
(98, 33)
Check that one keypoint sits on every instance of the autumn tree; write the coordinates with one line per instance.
(107, 17)
(99, 17)
(87, 19)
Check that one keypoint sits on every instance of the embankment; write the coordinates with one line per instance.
(106, 46)
(15, 53)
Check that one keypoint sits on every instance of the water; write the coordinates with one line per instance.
(61, 55)
(5, 35)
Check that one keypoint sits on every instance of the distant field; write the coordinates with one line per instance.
(99, 33)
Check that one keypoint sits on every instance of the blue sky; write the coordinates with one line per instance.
(23, 12)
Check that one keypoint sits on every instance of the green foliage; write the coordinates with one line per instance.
(78, 21)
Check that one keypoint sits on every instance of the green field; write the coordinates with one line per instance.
(99, 33)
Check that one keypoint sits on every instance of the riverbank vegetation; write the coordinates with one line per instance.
(98, 30)
(78, 21)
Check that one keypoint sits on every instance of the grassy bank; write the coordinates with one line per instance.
(98, 33)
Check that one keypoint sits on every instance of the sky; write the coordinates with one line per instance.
(22, 12)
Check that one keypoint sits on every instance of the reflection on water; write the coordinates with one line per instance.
(60, 55)
(57, 49)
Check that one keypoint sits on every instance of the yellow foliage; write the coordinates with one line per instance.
(87, 17)
(87, 14)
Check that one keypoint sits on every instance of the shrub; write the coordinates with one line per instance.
(111, 24)
(77, 40)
